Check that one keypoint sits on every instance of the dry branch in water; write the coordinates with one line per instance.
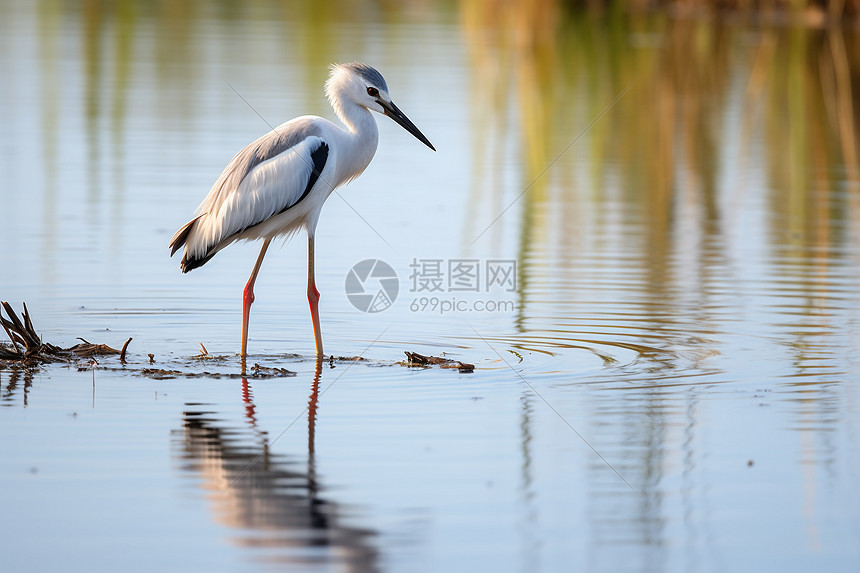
(27, 345)
(22, 334)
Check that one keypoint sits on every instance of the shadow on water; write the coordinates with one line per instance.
(275, 506)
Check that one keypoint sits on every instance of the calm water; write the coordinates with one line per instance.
(671, 381)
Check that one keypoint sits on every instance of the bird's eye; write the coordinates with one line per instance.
(372, 91)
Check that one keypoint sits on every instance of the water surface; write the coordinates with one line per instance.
(670, 385)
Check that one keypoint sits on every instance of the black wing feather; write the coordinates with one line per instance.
(319, 156)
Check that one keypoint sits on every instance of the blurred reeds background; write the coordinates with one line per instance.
(546, 69)
(712, 98)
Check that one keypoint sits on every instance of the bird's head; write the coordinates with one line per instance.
(366, 87)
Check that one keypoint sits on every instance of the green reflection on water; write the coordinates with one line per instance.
(710, 105)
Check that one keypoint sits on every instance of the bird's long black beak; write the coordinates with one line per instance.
(394, 113)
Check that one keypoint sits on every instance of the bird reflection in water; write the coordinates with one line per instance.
(275, 504)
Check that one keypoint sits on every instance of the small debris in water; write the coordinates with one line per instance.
(204, 355)
(257, 372)
(266, 372)
(415, 359)
(87, 349)
(160, 373)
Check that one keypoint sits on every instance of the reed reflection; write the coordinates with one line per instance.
(724, 129)
(275, 506)
(49, 21)
(725, 180)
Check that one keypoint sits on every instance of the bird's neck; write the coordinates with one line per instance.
(362, 134)
(357, 119)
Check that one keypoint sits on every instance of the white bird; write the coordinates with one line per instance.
(277, 185)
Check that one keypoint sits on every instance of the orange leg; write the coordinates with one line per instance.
(248, 297)
(314, 297)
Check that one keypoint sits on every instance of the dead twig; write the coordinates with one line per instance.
(17, 331)
(122, 352)
(11, 337)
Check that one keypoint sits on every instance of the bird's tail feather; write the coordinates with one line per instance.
(178, 241)
(191, 264)
(179, 238)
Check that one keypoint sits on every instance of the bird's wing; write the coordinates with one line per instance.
(268, 177)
